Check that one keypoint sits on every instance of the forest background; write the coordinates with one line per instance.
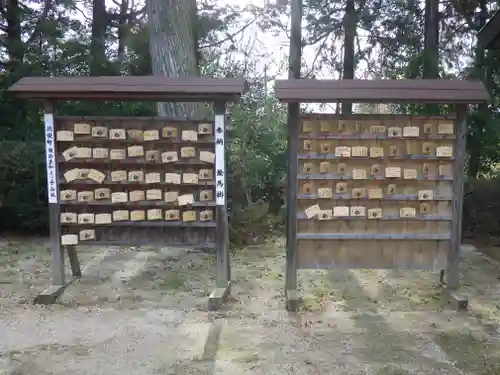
(341, 39)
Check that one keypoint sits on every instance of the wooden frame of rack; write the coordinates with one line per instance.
(357, 182)
(135, 181)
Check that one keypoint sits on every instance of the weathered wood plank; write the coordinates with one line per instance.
(458, 195)
(292, 151)
(373, 236)
(381, 91)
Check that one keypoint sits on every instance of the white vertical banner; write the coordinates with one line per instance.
(50, 159)
(220, 161)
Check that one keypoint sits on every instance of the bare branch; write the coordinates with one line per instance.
(283, 28)
(370, 67)
(38, 27)
(230, 36)
(383, 41)
(84, 15)
(130, 16)
(318, 52)
(324, 35)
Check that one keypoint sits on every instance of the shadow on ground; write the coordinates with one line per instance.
(144, 311)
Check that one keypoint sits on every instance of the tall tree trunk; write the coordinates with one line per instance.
(15, 47)
(173, 47)
(98, 42)
(431, 40)
(431, 46)
(123, 25)
(482, 71)
(350, 24)
(13, 12)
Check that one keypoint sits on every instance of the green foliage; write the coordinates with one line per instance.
(251, 224)
(23, 187)
(482, 207)
(256, 155)
(483, 140)
(389, 44)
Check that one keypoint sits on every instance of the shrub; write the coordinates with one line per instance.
(481, 216)
(23, 192)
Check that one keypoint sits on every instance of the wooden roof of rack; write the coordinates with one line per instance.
(139, 88)
(381, 91)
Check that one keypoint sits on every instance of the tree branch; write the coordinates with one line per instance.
(38, 27)
(384, 41)
(322, 35)
(229, 37)
(318, 52)
(85, 16)
(132, 15)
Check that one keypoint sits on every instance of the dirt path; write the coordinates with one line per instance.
(143, 311)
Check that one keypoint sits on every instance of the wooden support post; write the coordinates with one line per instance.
(223, 281)
(50, 295)
(292, 300)
(452, 273)
(57, 250)
(73, 261)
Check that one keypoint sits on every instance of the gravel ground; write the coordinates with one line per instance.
(144, 311)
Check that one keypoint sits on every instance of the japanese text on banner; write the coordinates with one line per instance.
(220, 162)
(50, 159)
